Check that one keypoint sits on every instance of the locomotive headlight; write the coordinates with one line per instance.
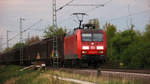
(100, 47)
(84, 52)
(101, 52)
(85, 47)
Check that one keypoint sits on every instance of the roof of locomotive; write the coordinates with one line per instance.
(84, 31)
(90, 30)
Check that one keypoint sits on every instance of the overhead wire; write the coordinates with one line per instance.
(133, 14)
(97, 6)
(23, 31)
(32, 26)
(65, 5)
(93, 9)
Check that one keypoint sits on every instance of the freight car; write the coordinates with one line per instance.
(43, 49)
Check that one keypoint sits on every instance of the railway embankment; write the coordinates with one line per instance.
(13, 74)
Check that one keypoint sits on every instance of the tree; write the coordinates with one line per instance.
(110, 32)
(7, 49)
(94, 22)
(129, 47)
(54, 31)
(32, 40)
(147, 33)
(123, 40)
(18, 45)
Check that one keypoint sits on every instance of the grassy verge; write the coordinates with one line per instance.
(11, 75)
(99, 80)
(11, 71)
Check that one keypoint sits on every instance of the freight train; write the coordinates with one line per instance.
(85, 45)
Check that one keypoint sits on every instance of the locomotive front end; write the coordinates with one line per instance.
(93, 46)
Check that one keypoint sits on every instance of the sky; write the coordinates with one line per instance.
(115, 11)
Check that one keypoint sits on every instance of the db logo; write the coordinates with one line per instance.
(92, 47)
(92, 43)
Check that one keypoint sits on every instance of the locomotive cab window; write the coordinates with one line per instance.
(86, 37)
(98, 37)
(92, 37)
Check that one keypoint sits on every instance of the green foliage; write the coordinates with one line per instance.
(32, 40)
(147, 33)
(10, 71)
(7, 49)
(11, 74)
(54, 31)
(137, 55)
(129, 47)
(18, 45)
(110, 30)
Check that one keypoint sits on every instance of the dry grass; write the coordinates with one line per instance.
(99, 80)
(12, 75)
(11, 81)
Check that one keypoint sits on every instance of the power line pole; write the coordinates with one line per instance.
(54, 14)
(55, 10)
(130, 25)
(28, 36)
(21, 40)
(7, 38)
(20, 26)
(1, 39)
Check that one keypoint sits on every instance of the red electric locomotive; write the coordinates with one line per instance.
(86, 45)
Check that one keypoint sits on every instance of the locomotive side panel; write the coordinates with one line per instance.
(70, 47)
(79, 44)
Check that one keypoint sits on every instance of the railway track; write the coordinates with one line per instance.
(129, 71)
(95, 71)
(109, 72)
(143, 75)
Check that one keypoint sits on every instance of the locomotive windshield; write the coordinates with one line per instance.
(86, 37)
(92, 37)
(98, 37)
